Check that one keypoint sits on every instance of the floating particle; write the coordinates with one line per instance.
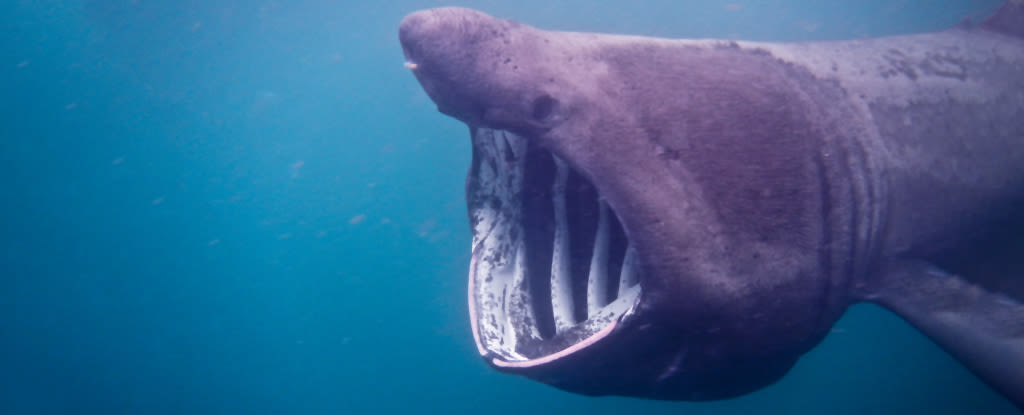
(425, 228)
(809, 26)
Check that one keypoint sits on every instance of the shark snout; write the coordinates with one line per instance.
(414, 30)
(445, 49)
(437, 36)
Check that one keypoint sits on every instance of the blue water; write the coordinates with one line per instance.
(250, 207)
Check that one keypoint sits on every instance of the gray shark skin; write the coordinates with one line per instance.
(683, 219)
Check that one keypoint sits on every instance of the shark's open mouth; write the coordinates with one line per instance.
(552, 269)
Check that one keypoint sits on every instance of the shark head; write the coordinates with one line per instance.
(645, 223)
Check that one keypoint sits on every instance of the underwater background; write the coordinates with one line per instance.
(220, 206)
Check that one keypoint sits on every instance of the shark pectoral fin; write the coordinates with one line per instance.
(982, 329)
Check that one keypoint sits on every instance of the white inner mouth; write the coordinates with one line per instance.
(552, 264)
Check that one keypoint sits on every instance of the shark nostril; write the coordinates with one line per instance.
(543, 107)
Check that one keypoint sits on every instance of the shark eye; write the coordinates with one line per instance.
(543, 107)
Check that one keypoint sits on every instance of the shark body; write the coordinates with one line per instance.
(683, 219)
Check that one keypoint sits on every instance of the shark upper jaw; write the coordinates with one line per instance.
(553, 271)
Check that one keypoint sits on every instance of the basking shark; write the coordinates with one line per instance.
(683, 219)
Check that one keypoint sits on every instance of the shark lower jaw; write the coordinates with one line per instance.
(553, 272)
